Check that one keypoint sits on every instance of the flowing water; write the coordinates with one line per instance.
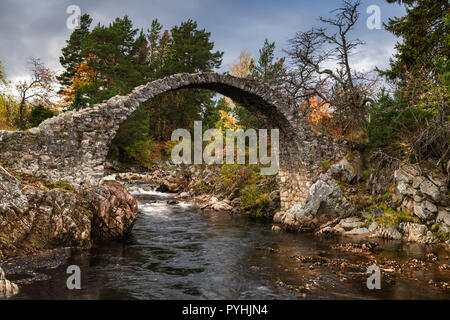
(177, 252)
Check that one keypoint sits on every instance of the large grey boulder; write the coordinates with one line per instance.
(115, 210)
(443, 219)
(324, 202)
(425, 210)
(405, 189)
(351, 223)
(34, 218)
(344, 171)
(358, 231)
(407, 173)
(414, 232)
(389, 232)
(429, 188)
(10, 193)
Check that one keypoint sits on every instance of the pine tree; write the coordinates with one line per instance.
(71, 54)
(425, 37)
(266, 68)
(118, 56)
(191, 50)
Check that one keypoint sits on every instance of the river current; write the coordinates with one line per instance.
(178, 252)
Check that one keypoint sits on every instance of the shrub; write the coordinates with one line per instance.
(38, 115)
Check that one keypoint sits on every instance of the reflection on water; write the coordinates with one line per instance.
(177, 253)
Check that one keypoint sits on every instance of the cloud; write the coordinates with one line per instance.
(38, 28)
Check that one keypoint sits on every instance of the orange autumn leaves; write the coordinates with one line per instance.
(316, 111)
(84, 77)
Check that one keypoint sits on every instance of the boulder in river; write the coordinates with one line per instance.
(34, 218)
(115, 211)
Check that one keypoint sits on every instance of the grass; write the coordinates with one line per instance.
(60, 185)
(326, 165)
(392, 217)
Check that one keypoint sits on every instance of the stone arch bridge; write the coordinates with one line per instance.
(73, 146)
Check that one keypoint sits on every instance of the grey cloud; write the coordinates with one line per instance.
(38, 28)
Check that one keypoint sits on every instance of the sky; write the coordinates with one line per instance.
(38, 28)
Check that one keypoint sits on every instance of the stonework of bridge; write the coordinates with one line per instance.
(73, 146)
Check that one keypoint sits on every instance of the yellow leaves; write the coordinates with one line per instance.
(242, 67)
(318, 110)
(227, 121)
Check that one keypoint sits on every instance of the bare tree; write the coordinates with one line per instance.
(320, 67)
(38, 88)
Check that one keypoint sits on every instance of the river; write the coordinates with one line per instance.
(178, 252)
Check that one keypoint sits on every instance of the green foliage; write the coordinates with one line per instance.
(392, 119)
(117, 54)
(442, 235)
(60, 185)
(140, 151)
(254, 201)
(191, 50)
(211, 114)
(246, 182)
(71, 56)
(326, 165)
(118, 57)
(132, 142)
(235, 176)
(392, 217)
(245, 118)
(267, 68)
(39, 114)
(383, 121)
(424, 33)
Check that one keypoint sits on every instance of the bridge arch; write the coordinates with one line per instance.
(73, 146)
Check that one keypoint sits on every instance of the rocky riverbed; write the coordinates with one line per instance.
(36, 217)
(178, 251)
